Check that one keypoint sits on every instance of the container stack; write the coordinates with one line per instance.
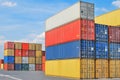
(1, 63)
(22, 56)
(9, 56)
(43, 61)
(101, 51)
(70, 42)
(38, 57)
(114, 52)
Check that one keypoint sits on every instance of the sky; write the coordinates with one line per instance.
(24, 20)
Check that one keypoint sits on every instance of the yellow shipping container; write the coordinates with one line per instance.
(101, 68)
(72, 68)
(38, 47)
(31, 60)
(111, 18)
(18, 60)
(1, 66)
(18, 45)
(38, 53)
(38, 60)
(114, 68)
(9, 52)
(31, 46)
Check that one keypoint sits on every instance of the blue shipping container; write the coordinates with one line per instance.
(17, 66)
(114, 51)
(75, 49)
(9, 59)
(101, 50)
(101, 32)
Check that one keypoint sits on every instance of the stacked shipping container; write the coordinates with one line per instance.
(43, 61)
(101, 51)
(1, 63)
(114, 51)
(9, 56)
(70, 42)
(22, 56)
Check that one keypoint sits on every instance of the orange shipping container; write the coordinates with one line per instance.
(101, 68)
(8, 66)
(43, 59)
(43, 67)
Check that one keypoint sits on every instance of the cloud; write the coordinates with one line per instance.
(8, 4)
(116, 3)
(102, 9)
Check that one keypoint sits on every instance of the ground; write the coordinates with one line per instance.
(31, 75)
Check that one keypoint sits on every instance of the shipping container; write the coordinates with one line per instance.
(78, 29)
(101, 32)
(38, 47)
(9, 59)
(18, 67)
(25, 67)
(114, 51)
(31, 60)
(43, 59)
(25, 46)
(110, 18)
(114, 68)
(25, 53)
(43, 67)
(1, 63)
(8, 66)
(74, 68)
(9, 52)
(38, 53)
(75, 49)
(101, 68)
(2, 66)
(43, 53)
(31, 46)
(101, 50)
(18, 52)
(38, 60)
(25, 60)
(18, 45)
(9, 45)
(70, 14)
(32, 53)
(38, 67)
(31, 67)
(113, 34)
(18, 60)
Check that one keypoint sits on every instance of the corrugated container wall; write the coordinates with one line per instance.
(114, 33)
(75, 68)
(78, 29)
(76, 49)
(114, 51)
(79, 10)
(111, 18)
(101, 32)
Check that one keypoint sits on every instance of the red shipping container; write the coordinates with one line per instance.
(18, 53)
(38, 67)
(25, 53)
(8, 66)
(9, 45)
(1, 61)
(43, 59)
(31, 53)
(114, 33)
(25, 46)
(43, 53)
(70, 32)
(43, 67)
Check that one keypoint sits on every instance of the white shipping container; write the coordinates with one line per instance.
(32, 67)
(24, 59)
(79, 10)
